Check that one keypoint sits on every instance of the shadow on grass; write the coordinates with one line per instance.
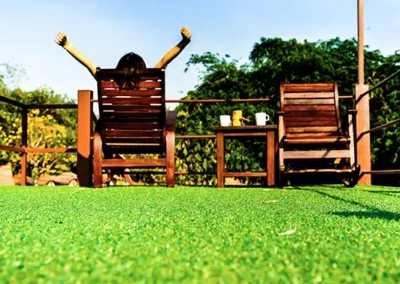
(393, 193)
(380, 214)
(372, 212)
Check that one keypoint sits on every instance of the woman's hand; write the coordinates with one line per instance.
(186, 34)
(61, 39)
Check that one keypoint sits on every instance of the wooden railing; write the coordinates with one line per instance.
(380, 127)
(85, 100)
(86, 118)
(23, 149)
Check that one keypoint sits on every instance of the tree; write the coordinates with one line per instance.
(272, 61)
(43, 132)
(50, 128)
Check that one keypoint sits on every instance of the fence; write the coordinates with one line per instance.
(380, 127)
(86, 118)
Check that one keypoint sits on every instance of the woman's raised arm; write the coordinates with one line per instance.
(176, 50)
(61, 39)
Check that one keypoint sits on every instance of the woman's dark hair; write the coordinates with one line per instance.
(130, 67)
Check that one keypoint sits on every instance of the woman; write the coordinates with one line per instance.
(130, 64)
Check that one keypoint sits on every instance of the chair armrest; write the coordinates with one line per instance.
(352, 111)
(171, 120)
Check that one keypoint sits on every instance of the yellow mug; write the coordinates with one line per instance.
(237, 118)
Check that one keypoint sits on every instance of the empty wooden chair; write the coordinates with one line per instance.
(133, 121)
(310, 128)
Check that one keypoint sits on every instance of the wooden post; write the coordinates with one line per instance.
(270, 165)
(24, 144)
(363, 140)
(85, 133)
(362, 105)
(360, 20)
(220, 160)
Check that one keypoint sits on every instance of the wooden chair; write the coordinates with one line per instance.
(133, 121)
(310, 128)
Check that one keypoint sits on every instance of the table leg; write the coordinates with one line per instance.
(270, 146)
(220, 160)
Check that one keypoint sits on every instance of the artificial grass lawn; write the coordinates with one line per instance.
(187, 234)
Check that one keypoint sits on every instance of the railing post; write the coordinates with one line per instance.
(363, 140)
(360, 32)
(24, 144)
(85, 132)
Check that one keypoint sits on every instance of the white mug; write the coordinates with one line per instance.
(261, 118)
(225, 120)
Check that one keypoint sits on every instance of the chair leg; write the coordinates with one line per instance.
(281, 169)
(280, 179)
(281, 165)
(350, 182)
(97, 161)
(170, 158)
(355, 176)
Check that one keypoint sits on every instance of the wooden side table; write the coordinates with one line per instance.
(246, 131)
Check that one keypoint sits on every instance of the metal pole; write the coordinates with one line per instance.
(360, 17)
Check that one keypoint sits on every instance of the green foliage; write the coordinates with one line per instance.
(385, 107)
(272, 61)
(45, 132)
(47, 128)
(199, 235)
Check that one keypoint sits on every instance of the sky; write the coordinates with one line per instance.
(105, 30)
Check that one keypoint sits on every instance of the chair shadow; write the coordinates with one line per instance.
(372, 212)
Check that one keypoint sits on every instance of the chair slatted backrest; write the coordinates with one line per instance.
(310, 109)
(132, 119)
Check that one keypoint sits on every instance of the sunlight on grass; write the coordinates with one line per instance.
(186, 234)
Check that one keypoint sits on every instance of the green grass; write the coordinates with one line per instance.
(154, 234)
